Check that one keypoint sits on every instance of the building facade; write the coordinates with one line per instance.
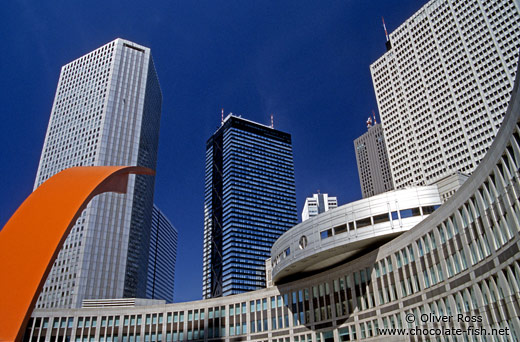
(450, 184)
(106, 111)
(317, 204)
(357, 227)
(443, 87)
(249, 202)
(461, 262)
(372, 162)
(161, 257)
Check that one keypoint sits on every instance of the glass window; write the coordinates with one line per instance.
(363, 222)
(428, 209)
(381, 218)
(406, 213)
(410, 253)
(326, 233)
(340, 229)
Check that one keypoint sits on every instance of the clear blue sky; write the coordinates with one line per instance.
(306, 61)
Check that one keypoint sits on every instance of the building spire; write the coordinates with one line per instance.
(222, 117)
(272, 121)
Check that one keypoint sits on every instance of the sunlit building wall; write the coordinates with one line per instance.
(443, 88)
(106, 111)
(317, 204)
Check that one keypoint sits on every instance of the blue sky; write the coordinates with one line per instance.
(305, 61)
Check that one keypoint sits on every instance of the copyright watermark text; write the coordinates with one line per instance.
(426, 319)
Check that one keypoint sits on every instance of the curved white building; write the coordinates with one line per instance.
(357, 227)
(461, 263)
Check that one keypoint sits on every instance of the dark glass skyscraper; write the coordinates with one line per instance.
(249, 201)
(161, 257)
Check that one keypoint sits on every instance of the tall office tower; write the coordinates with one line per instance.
(372, 162)
(162, 257)
(317, 204)
(443, 87)
(106, 112)
(249, 201)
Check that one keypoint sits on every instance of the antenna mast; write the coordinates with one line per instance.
(272, 121)
(222, 117)
(388, 44)
(384, 26)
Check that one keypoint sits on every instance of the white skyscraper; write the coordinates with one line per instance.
(443, 87)
(106, 111)
(317, 204)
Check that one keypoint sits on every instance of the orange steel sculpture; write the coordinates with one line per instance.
(33, 236)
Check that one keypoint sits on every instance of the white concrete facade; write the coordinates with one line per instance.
(317, 204)
(443, 88)
(334, 236)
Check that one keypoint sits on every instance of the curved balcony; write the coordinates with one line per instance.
(341, 233)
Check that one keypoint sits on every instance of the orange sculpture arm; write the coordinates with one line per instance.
(33, 236)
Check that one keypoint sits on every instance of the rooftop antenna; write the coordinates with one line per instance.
(369, 122)
(388, 44)
(374, 115)
(222, 117)
(384, 26)
(272, 121)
